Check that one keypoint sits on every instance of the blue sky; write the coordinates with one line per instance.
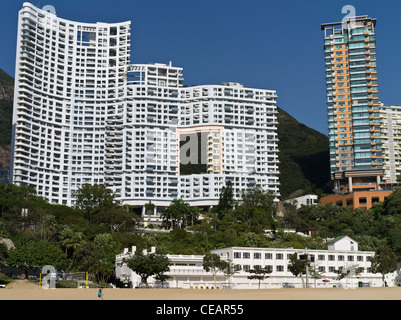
(262, 44)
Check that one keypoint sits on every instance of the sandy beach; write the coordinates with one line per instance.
(25, 290)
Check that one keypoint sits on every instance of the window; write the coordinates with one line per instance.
(246, 255)
(340, 258)
(350, 258)
(375, 200)
(279, 256)
(257, 255)
(280, 268)
(321, 257)
(237, 255)
(331, 257)
(269, 267)
(268, 256)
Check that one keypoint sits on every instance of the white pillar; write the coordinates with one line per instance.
(350, 184)
(378, 182)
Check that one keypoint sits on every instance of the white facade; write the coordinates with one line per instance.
(306, 200)
(238, 142)
(187, 271)
(391, 142)
(343, 244)
(68, 83)
(277, 260)
(84, 114)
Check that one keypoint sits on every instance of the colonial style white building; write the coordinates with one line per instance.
(187, 271)
(84, 115)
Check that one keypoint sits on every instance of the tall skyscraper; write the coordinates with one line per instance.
(352, 94)
(84, 114)
(356, 159)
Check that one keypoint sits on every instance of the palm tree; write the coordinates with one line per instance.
(177, 214)
(72, 240)
(149, 208)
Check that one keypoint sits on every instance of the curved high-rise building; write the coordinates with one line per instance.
(84, 115)
(69, 79)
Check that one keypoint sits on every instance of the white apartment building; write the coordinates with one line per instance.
(69, 81)
(186, 271)
(391, 142)
(84, 114)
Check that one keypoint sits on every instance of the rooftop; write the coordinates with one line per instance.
(356, 18)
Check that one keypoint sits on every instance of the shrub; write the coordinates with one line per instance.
(4, 279)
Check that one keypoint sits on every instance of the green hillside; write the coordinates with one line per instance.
(6, 112)
(304, 156)
(6, 108)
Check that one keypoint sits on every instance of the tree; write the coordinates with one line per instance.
(212, 263)
(98, 257)
(73, 241)
(256, 209)
(384, 261)
(163, 264)
(259, 274)
(297, 267)
(20, 193)
(230, 271)
(147, 265)
(162, 277)
(290, 215)
(37, 254)
(256, 197)
(179, 213)
(48, 228)
(226, 200)
(315, 273)
(149, 208)
(348, 272)
(3, 253)
(89, 197)
(193, 216)
(392, 204)
(115, 218)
